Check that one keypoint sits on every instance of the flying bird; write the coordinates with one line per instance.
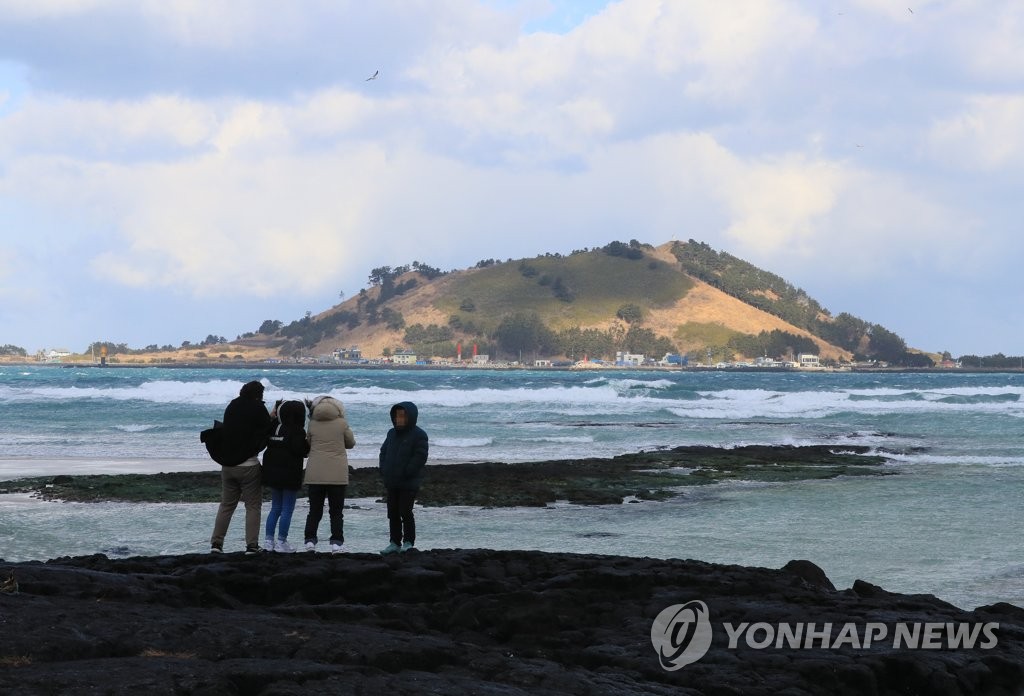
(374, 76)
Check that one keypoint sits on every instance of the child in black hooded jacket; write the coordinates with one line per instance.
(403, 457)
(282, 471)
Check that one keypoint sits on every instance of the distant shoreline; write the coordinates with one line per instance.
(261, 365)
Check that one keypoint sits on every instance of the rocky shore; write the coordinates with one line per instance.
(477, 622)
(644, 475)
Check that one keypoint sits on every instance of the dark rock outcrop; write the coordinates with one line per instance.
(654, 475)
(465, 622)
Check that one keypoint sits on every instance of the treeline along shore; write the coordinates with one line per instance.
(285, 365)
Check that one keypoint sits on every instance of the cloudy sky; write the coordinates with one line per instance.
(171, 169)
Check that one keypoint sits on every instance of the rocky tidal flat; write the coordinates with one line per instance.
(654, 475)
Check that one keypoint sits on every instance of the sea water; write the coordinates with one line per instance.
(946, 521)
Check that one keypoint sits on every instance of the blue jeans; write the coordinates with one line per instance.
(282, 505)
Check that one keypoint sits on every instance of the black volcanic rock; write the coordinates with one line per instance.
(462, 622)
(656, 475)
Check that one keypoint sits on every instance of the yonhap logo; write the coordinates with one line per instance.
(681, 634)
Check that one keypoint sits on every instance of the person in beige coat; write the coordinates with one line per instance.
(327, 468)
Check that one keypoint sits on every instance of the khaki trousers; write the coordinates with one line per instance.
(242, 482)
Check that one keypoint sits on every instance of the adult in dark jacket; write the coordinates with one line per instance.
(247, 425)
(282, 472)
(403, 456)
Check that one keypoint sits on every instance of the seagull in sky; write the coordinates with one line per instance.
(374, 76)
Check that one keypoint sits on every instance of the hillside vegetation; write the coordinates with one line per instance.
(680, 297)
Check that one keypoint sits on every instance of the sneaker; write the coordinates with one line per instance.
(390, 548)
(216, 549)
(252, 549)
(283, 546)
(406, 546)
(336, 548)
(269, 544)
(311, 546)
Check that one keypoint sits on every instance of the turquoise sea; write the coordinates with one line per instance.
(947, 523)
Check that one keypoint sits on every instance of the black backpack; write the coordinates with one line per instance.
(227, 446)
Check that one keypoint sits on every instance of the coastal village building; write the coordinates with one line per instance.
(808, 360)
(56, 354)
(673, 359)
(404, 357)
(348, 354)
(634, 359)
(481, 359)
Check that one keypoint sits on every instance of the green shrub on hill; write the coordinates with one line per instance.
(773, 343)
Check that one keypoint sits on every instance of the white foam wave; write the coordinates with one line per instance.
(462, 441)
(602, 396)
(762, 403)
(641, 383)
(135, 428)
(988, 461)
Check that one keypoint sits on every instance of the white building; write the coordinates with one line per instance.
(634, 359)
(56, 355)
(808, 360)
(404, 357)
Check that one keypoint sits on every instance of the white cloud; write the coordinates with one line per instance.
(245, 226)
(49, 9)
(781, 205)
(985, 135)
(989, 41)
(102, 129)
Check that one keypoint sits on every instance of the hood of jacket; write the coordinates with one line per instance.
(325, 408)
(411, 413)
(292, 413)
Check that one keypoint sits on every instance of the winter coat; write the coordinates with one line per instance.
(329, 438)
(247, 425)
(282, 462)
(403, 455)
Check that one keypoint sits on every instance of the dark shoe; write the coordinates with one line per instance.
(215, 548)
(252, 549)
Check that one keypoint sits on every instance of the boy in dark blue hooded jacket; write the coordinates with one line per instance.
(403, 457)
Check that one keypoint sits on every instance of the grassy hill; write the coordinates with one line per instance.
(622, 296)
(679, 297)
